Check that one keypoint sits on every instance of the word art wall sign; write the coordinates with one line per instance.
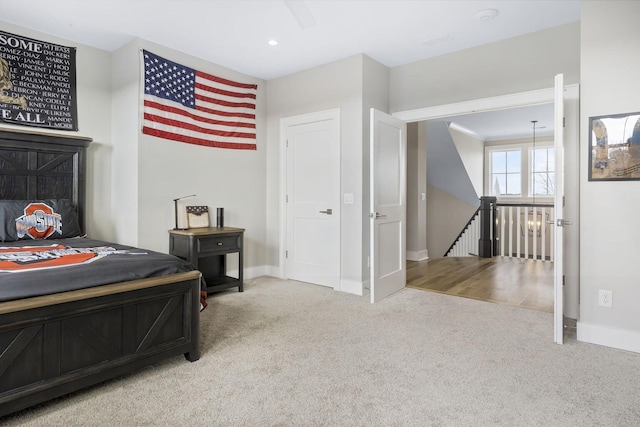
(37, 83)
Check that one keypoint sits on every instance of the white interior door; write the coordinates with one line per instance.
(388, 204)
(313, 198)
(558, 205)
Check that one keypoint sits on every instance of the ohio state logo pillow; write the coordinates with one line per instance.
(38, 222)
(37, 219)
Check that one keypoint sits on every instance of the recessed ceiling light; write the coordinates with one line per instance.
(273, 42)
(486, 14)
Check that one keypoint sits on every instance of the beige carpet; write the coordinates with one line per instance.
(285, 353)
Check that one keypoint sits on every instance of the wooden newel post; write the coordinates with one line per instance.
(488, 244)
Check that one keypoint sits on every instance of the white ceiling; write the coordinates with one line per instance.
(507, 124)
(234, 33)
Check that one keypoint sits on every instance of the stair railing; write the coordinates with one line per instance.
(524, 231)
(466, 243)
(519, 230)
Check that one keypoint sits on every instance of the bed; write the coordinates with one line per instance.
(55, 341)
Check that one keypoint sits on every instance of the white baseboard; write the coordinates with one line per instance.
(610, 337)
(350, 286)
(417, 255)
(251, 272)
(273, 271)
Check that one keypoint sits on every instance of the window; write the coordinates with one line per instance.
(542, 173)
(506, 176)
(519, 170)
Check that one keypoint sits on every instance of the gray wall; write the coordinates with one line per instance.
(610, 66)
(451, 196)
(124, 154)
(416, 188)
(471, 150)
(150, 172)
(515, 65)
(446, 215)
(445, 169)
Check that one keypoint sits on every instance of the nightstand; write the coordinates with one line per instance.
(206, 250)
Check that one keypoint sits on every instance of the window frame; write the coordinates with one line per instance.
(490, 172)
(531, 171)
(526, 154)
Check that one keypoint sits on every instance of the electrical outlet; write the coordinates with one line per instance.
(605, 298)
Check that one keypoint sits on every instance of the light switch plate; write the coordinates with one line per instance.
(348, 198)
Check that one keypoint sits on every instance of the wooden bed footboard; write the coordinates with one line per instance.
(54, 345)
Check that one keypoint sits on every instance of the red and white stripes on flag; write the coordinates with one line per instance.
(186, 105)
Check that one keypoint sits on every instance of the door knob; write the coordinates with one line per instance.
(328, 212)
(376, 215)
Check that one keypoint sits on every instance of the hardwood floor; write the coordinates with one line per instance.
(514, 281)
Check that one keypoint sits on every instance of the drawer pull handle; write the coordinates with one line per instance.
(219, 243)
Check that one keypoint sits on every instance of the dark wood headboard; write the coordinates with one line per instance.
(44, 166)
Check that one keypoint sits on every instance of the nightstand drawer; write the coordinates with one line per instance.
(218, 244)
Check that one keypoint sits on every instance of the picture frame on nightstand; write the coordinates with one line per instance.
(198, 216)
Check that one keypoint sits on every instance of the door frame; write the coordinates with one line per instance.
(522, 99)
(504, 102)
(285, 122)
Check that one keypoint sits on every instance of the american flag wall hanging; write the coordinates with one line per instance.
(187, 105)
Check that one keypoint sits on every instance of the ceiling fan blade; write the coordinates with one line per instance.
(301, 12)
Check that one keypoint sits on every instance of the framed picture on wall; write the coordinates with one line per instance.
(37, 83)
(614, 147)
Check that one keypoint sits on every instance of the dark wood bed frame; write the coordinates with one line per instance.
(56, 344)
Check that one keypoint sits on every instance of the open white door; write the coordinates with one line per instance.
(558, 205)
(388, 205)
